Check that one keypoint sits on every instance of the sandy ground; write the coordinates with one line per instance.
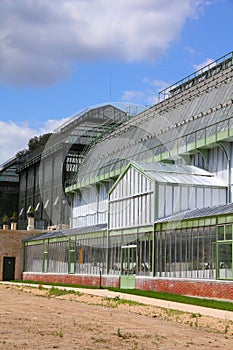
(35, 318)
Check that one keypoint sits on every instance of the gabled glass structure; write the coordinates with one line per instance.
(152, 199)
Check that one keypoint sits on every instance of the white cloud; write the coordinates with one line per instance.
(190, 50)
(52, 124)
(40, 40)
(158, 84)
(149, 95)
(20, 134)
(208, 62)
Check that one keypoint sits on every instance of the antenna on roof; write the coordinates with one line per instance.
(110, 87)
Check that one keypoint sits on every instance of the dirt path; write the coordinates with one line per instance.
(34, 318)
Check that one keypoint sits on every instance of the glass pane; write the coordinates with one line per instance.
(71, 261)
(220, 233)
(228, 232)
(132, 261)
(124, 262)
(45, 262)
(225, 260)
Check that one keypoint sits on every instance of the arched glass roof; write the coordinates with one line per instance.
(174, 126)
(129, 108)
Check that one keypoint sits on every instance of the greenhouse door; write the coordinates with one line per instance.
(8, 268)
(225, 263)
(128, 266)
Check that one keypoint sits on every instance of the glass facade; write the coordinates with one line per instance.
(186, 253)
(144, 253)
(88, 256)
(80, 256)
(195, 252)
(224, 252)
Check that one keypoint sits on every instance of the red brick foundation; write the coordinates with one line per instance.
(205, 289)
(84, 280)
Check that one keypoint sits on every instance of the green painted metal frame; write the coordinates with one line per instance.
(185, 149)
(45, 261)
(215, 220)
(127, 281)
(71, 260)
(222, 242)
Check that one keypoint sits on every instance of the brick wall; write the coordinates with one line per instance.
(85, 280)
(11, 245)
(205, 289)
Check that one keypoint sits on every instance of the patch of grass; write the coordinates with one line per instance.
(196, 316)
(114, 302)
(171, 312)
(100, 340)
(125, 335)
(119, 334)
(58, 292)
(109, 302)
(58, 334)
(129, 302)
(227, 327)
(210, 303)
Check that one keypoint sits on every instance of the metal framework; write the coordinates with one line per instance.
(194, 118)
(46, 171)
(152, 224)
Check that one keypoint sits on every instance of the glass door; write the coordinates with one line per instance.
(225, 260)
(128, 266)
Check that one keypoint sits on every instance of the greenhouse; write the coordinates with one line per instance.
(195, 244)
(134, 243)
(152, 199)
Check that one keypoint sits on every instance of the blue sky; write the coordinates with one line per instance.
(58, 57)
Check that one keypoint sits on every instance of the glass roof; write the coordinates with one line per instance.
(180, 174)
(197, 213)
(67, 232)
(129, 109)
(86, 127)
(198, 112)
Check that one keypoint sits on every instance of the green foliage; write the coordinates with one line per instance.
(125, 335)
(8, 206)
(119, 334)
(34, 143)
(58, 334)
(38, 141)
(128, 302)
(5, 219)
(114, 302)
(22, 153)
(56, 292)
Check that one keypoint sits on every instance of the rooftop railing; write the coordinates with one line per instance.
(197, 77)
